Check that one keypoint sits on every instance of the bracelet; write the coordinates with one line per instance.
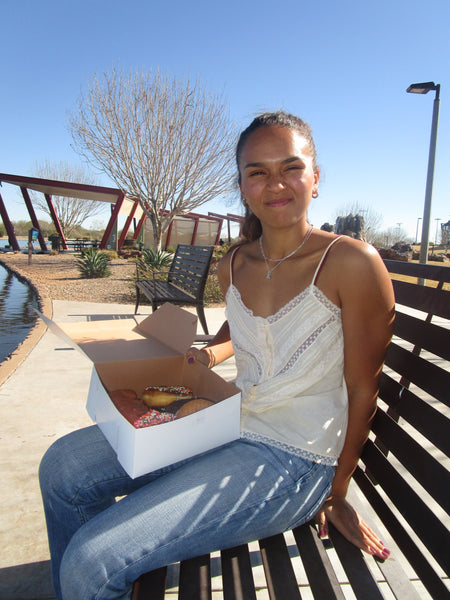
(212, 357)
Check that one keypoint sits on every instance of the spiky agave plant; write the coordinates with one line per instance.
(156, 259)
(93, 263)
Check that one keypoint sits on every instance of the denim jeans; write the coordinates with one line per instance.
(100, 544)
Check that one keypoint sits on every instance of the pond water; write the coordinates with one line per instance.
(17, 316)
(23, 244)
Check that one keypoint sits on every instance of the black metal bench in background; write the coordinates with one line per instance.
(402, 482)
(185, 283)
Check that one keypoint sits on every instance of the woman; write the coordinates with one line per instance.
(309, 317)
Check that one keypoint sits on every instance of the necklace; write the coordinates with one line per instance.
(280, 260)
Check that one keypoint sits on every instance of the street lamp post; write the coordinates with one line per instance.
(424, 88)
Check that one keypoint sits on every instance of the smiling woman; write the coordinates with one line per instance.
(17, 317)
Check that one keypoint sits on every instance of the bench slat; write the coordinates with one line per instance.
(426, 299)
(425, 335)
(359, 575)
(162, 291)
(195, 579)
(237, 574)
(397, 579)
(151, 586)
(319, 570)
(431, 475)
(430, 579)
(280, 576)
(433, 272)
(428, 376)
(423, 521)
(418, 413)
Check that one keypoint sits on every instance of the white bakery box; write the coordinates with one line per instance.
(131, 355)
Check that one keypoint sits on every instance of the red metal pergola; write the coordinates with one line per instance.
(50, 188)
(120, 204)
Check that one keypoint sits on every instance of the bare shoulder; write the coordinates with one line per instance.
(360, 267)
(356, 257)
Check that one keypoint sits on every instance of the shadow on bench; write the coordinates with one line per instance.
(403, 478)
(186, 280)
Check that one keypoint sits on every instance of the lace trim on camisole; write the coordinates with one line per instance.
(284, 310)
(298, 452)
(304, 346)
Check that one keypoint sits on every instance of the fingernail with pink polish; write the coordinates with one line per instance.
(385, 553)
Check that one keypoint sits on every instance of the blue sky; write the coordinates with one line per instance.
(343, 66)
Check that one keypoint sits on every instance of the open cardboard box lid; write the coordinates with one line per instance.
(167, 332)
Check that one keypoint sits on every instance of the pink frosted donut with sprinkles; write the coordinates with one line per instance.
(152, 417)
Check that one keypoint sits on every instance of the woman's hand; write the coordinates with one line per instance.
(202, 356)
(338, 510)
(217, 350)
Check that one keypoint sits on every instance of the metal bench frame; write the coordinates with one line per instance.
(186, 280)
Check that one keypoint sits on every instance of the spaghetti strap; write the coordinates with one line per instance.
(232, 262)
(322, 260)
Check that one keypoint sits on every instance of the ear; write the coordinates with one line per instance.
(316, 176)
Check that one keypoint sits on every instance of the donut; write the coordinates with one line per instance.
(193, 406)
(128, 404)
(152, 417)
(161, 395)
(123, 395)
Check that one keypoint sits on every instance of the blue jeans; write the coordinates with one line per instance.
(232, 495)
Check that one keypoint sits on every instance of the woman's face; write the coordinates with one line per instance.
(277, 175)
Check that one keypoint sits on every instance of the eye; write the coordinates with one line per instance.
(255, 173)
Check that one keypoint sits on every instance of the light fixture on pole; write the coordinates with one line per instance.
(424, 88)
(437, 226)
(417, 227)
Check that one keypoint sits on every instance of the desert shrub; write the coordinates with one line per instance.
(156, 259)
(93, 264)
(220, 251)
(213, 293)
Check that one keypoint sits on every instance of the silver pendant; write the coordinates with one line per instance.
(268, 275)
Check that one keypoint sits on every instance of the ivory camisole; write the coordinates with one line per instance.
(290, 370)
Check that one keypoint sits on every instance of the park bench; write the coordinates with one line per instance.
(185, 283)
(402, 484)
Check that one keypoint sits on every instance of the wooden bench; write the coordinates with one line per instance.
(185, 283)
(402, 484)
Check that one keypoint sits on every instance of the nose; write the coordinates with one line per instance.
(275, 182)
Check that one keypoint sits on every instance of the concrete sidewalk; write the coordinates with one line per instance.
(42, 400)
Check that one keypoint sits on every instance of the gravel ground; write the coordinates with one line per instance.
(56, 277)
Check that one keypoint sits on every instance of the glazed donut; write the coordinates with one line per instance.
(160, 395)
(193, 406)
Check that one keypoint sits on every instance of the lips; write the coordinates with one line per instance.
(278, 202)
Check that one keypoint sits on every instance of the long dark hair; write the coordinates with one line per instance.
(251, 228)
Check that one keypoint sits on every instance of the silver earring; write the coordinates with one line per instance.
(315, 194)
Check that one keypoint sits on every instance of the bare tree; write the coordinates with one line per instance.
(71, 212)
(164, 141)
(390, 236)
